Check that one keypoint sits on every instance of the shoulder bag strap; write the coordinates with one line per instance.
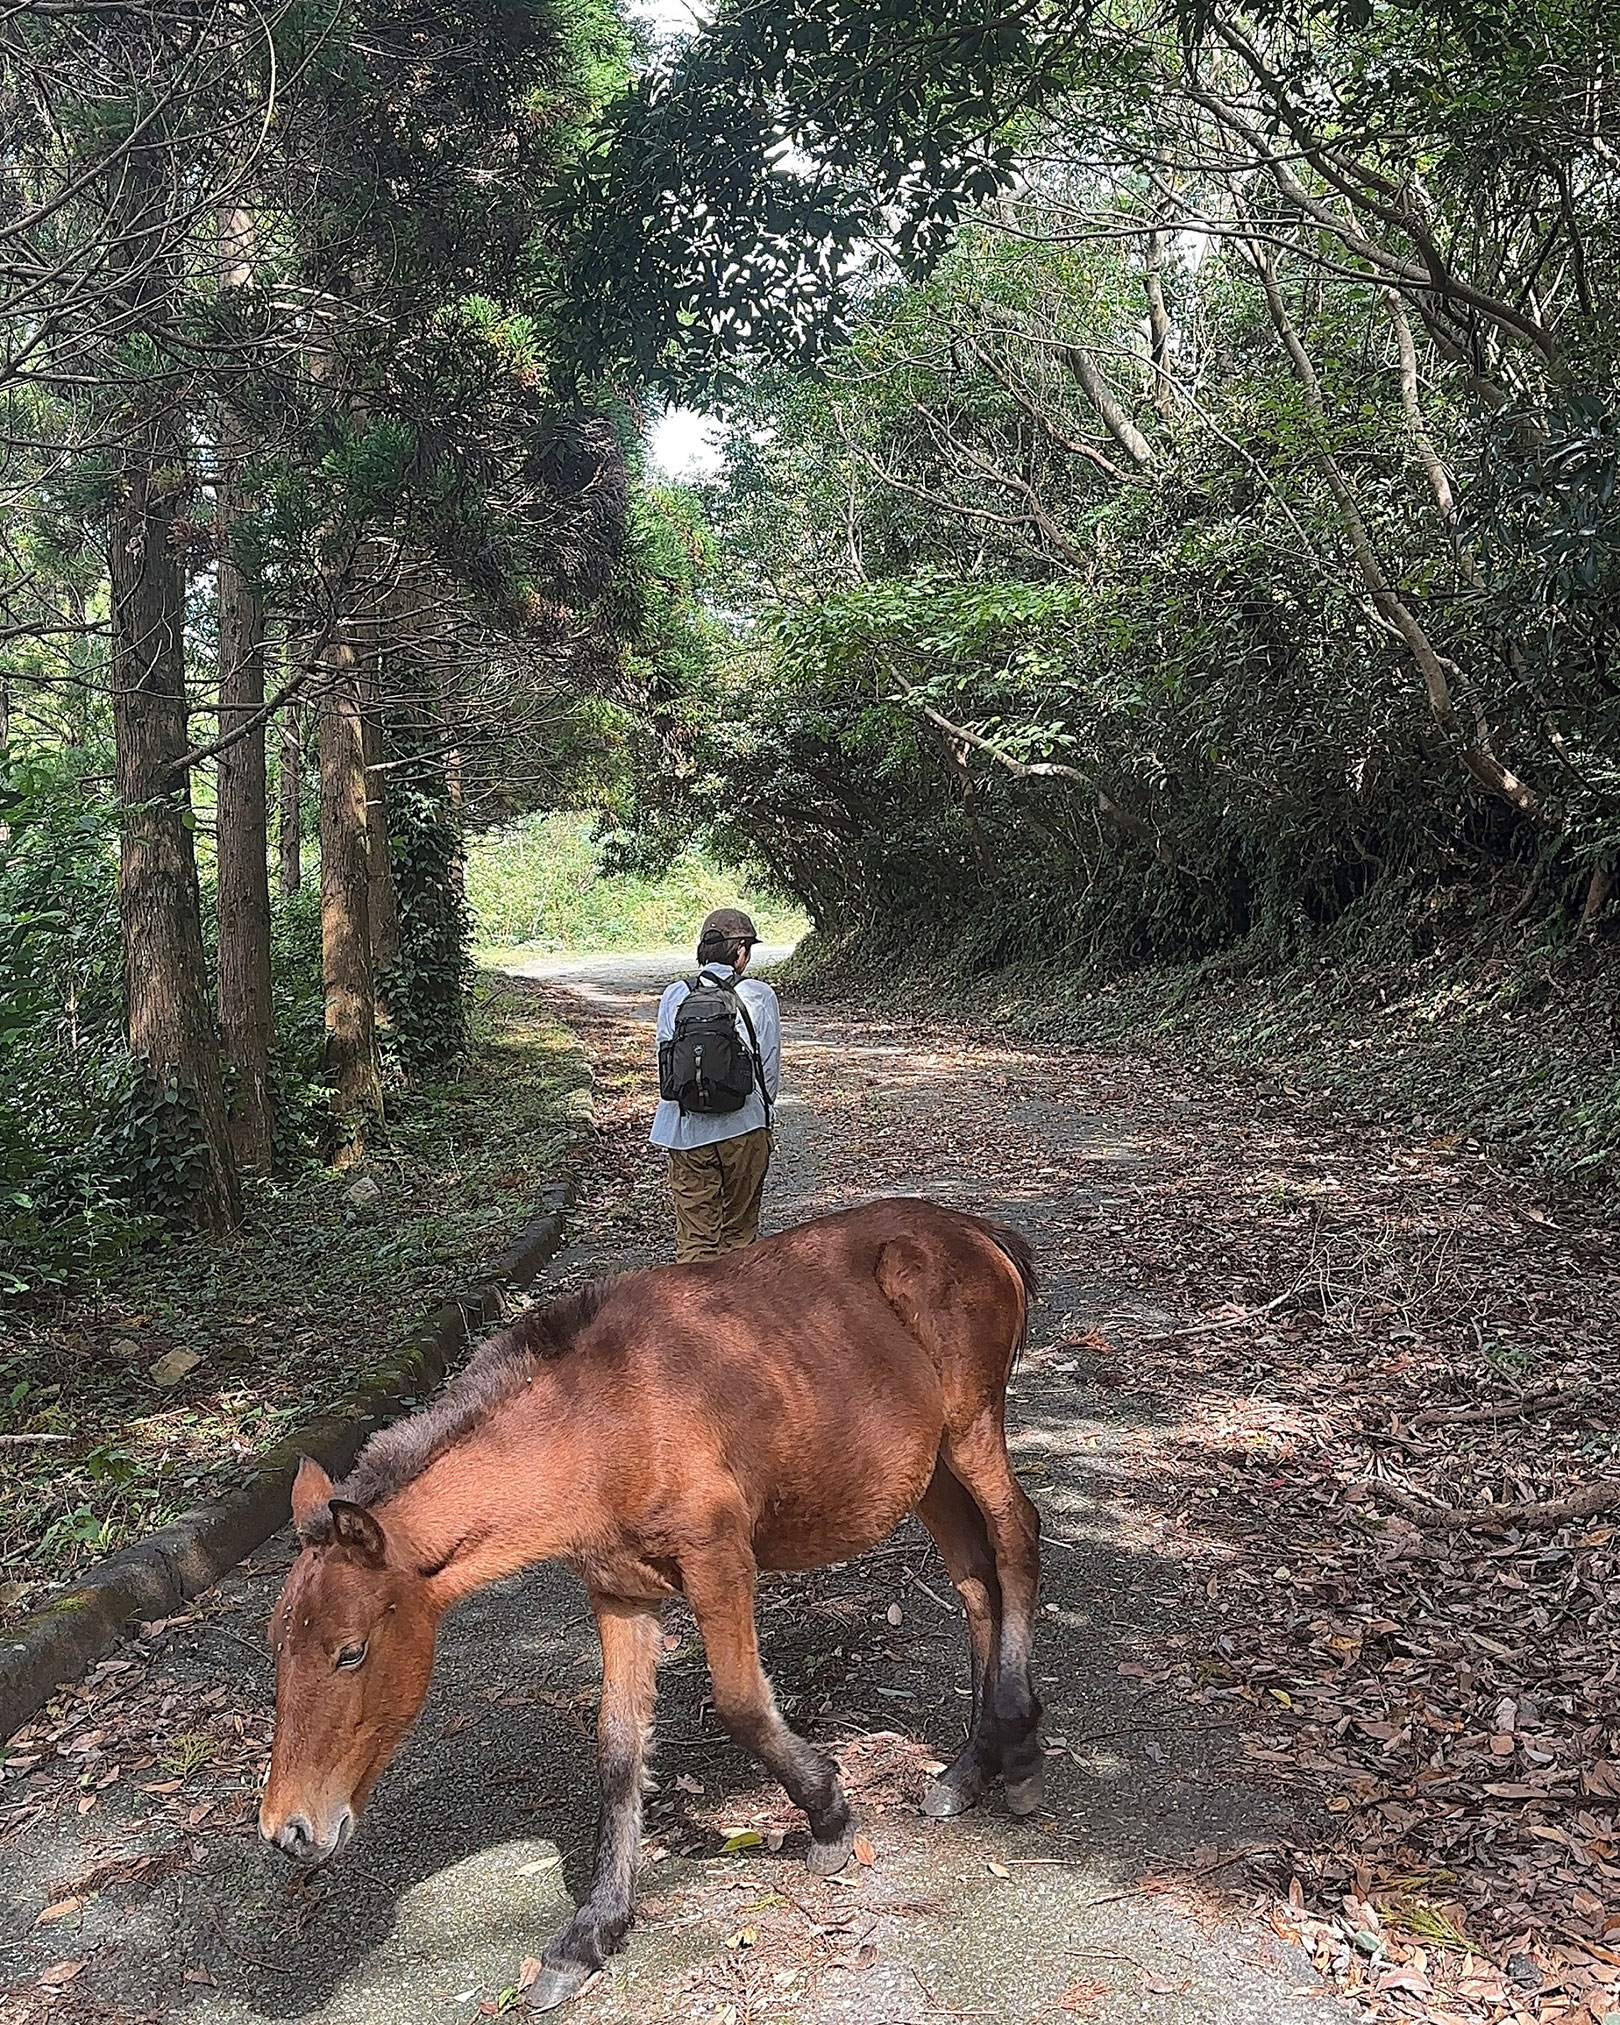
(753, 1046)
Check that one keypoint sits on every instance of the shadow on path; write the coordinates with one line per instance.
(1126, 1899)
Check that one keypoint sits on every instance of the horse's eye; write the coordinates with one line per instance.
(352, 1655)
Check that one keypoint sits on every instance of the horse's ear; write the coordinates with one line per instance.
(311, 1489)
(356, 1528)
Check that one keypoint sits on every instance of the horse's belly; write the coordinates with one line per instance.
(829, 1440)
(839, 1512)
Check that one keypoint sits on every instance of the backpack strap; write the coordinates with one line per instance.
(753, 1046)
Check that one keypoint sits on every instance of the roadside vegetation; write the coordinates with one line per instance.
(1503, 1036)
(548, 884)
(1162, 587)
(1198, 590)
(154, 1383)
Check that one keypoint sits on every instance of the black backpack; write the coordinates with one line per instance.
(704, 1066)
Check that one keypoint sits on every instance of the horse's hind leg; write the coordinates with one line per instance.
(719, 1585)
(979, 1457)
(958, 1530)
(630, 1646)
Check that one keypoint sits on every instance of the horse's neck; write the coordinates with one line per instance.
(512, 1494)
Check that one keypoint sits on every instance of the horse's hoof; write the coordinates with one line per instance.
(556, 1983)
(943, 1802)
(827, 1859)
(1025, 1795)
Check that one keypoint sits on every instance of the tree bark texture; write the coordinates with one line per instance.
(453, 795)
(171, 1020)
(1598, 889)
(290, 780)
(1113, 417)
(1164, 396)
(245, 1016)
(383, 898)
(956, 753)
(351, 1023)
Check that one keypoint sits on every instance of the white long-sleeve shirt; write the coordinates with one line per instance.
(678, 1131)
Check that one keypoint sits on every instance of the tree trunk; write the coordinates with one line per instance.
(171, 1022)
(1600, 886)
(956, 754)
(244, 880)
(453, 794)
(383, 899)
(351, 1022)
(1473, 740)
(291, 781)
(1113, 417)
(1164, 396)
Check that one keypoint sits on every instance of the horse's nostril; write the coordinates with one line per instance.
(295, 1836)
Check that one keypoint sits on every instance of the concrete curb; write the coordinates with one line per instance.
(154, 1576)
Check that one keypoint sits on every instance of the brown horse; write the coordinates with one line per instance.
(669, 1433)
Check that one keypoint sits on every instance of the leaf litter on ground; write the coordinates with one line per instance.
(1351, 1374)
(128, 1401)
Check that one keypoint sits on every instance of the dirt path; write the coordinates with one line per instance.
(1236, 1654)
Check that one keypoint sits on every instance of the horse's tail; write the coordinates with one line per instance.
(1020, 1255)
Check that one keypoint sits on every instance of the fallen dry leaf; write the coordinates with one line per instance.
(1081, 1997)
(1394, 1338)
(173, 1366)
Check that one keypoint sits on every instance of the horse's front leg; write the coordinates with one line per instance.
(719, 1583)
(630, 1647)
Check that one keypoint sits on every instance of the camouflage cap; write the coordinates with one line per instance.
(727, 924)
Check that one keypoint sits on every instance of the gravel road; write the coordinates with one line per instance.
(1131, 1897)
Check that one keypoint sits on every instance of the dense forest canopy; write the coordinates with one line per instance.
(282, 449)
(1225, 525)
(1169, 504)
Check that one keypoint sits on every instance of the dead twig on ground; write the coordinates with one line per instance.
(1503, 1409)
(1532, 1517)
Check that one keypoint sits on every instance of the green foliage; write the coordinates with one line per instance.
(310, 1304)
(149, 1142)
(301, 1108)
(715, 211)
(96, 1155)
(1544, 507)
(427, 988)
(549, 881)
(1021, 669)
(383, 356)
(71, 1161)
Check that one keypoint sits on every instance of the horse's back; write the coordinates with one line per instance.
(815, 1374)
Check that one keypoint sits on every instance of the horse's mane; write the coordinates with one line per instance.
(396, 1455)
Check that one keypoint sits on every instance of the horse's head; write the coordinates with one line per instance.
(353, 1636)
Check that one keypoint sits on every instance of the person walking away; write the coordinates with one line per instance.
(719, 1064)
